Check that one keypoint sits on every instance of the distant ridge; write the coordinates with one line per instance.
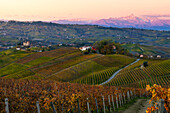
(131, 21)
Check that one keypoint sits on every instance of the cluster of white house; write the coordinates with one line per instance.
(84, 48)
(150, 56)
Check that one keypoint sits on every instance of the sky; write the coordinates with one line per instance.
(46, 10)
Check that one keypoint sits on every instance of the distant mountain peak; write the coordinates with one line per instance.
(127, 21)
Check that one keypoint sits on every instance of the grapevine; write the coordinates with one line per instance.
(158, 93)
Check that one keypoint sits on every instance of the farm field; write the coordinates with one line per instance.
(22, 65)
(148, 50)
(23, 94)
(66, 77)
(139, 77)
(71, 65)
(44, 64)
(158, 72)
(97, 77)
(9, 56)
(83, 71)
(64, 64)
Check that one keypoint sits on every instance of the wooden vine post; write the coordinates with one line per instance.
(128, 95)
(96, 105)
(113, 103)
(38, 106)
(124, 98)
(109, 103)
(53, 107)
(104, 110)
(120, 101)
(88, 107)
(117, 102)
(78, 104)
(6, 105)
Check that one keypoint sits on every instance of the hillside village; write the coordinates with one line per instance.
(93, 49)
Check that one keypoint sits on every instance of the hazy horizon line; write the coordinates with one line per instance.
(81, 19)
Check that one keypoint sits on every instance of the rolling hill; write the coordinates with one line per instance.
(63, 64)
(147, 50)
(12, 32)
(31, 79)
(71, 65)
(158, 72)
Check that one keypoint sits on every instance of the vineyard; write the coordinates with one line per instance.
(61, 63)
(66, 80)
(65, 64)
(41, 65)
(23, 95)
(134, 76)
(52, 54)
(97, 70)
(70, 65)
(97, 77)
(8, 56)
(140, 62)
(160, 99)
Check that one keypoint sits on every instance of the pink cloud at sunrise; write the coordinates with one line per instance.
(46, 10)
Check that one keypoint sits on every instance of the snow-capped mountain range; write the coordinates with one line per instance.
(143, 22)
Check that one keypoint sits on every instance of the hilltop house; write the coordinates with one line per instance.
(18, 48)
(141, 56)
(85, 48)
(150, 56)
(27, 43)
(158, 56)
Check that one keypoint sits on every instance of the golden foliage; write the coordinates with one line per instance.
(158, 93)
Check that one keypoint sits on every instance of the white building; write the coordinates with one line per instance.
(26, 43)
(141, 56)
(18, 48)
(158, 56)
(150, 56)
(85, 48)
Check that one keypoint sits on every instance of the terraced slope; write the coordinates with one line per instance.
(96, 77)
(11, 55)
(158, 72)
(26, 66)
(100, 71)
(50, 54)
(71, 65)
(45, 64)
(140, 62)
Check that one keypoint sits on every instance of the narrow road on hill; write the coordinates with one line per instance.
(118, 72)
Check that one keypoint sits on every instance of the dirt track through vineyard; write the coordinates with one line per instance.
(140, 106)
